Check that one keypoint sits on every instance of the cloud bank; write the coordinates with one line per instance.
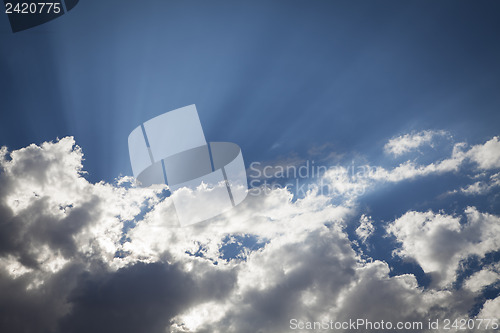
(80, 257)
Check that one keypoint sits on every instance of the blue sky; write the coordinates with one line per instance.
(408, 88)
(290, 75)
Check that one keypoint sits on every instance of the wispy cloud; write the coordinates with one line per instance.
(406, 143)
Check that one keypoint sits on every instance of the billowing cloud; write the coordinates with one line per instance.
(490, 309)
(80, 257)
(485, 277)
(487, 156)
(438, 242)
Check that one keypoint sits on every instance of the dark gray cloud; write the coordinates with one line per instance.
(139, 298)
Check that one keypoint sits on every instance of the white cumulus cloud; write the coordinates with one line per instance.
(438, 242)
(82, 257)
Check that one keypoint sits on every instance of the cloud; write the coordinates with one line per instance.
(365, 228)
(408, 142)
(76, 256)
(54, 226)
(374, 295)
(485, 277)
(490, 309)
(487, 156)
(141, 297)
(482, 187)
(349, 183)
(438, 242)
(320, 287)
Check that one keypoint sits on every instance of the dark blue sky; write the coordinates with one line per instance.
(288, 74)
